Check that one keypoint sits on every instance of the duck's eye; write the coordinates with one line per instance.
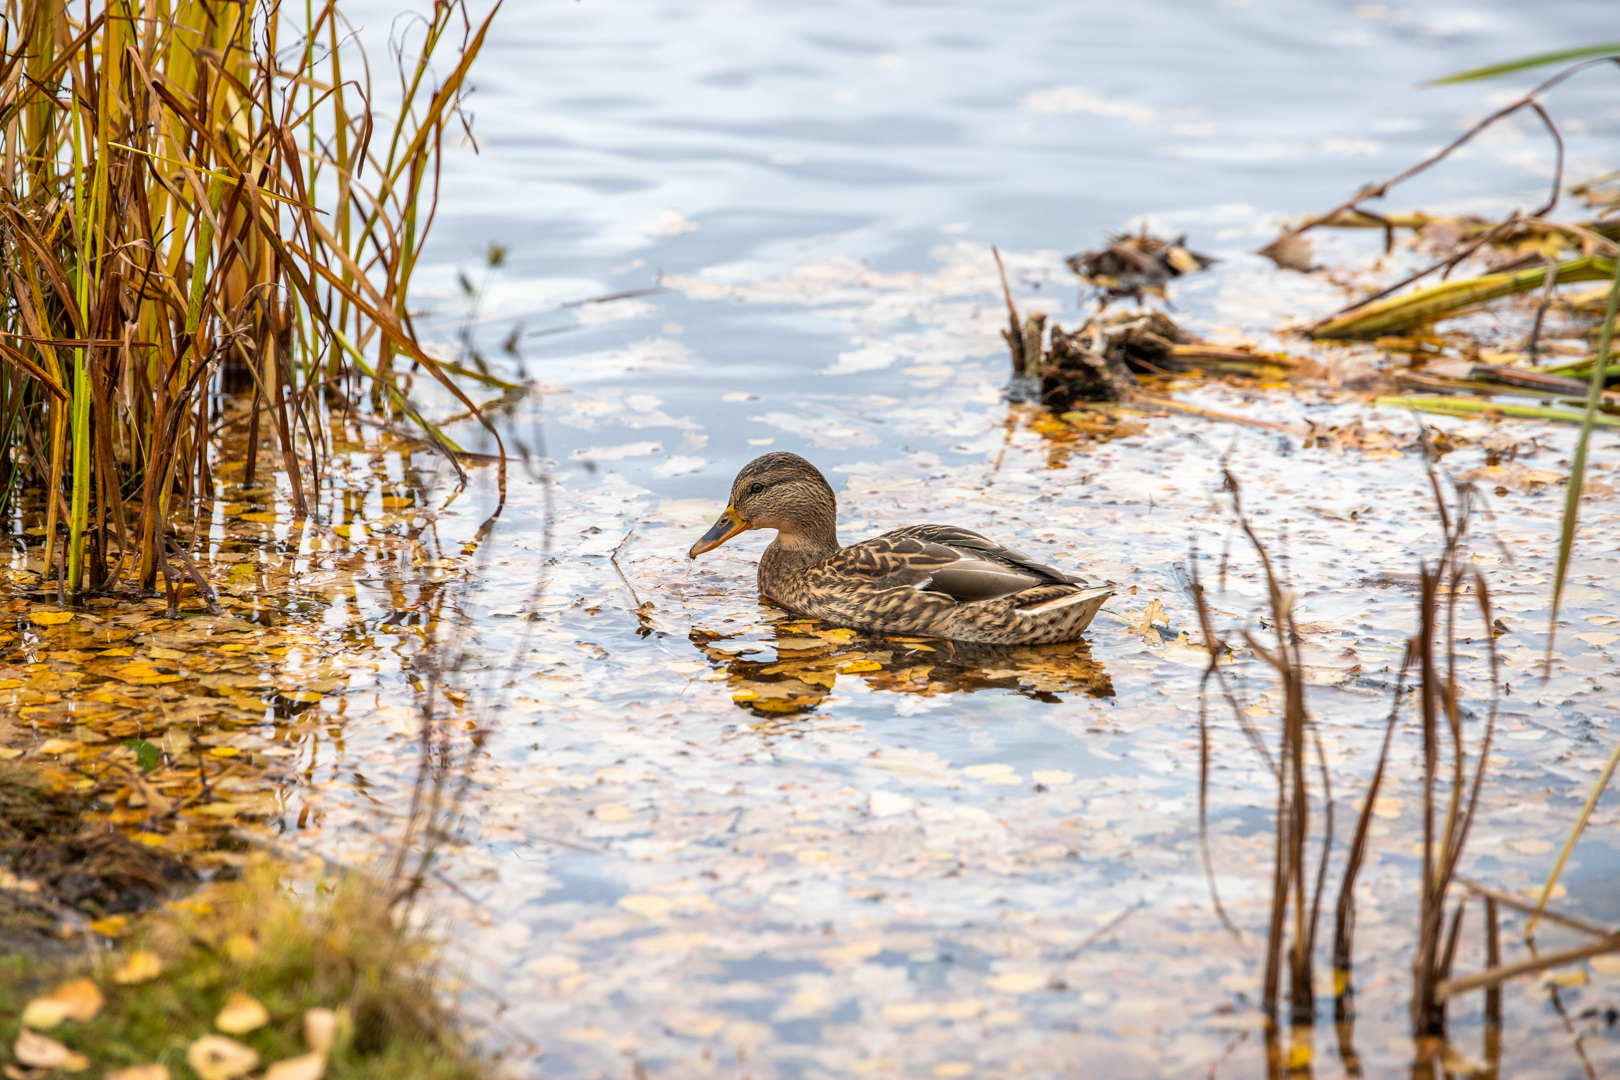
(757, 488)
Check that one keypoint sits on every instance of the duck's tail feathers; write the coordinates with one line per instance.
(1079, 596)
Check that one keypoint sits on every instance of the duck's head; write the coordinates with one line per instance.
(779, 491)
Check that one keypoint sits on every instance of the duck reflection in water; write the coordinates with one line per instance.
(796, 666)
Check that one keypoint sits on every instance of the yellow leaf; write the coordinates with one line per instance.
(142, 965)
(166, 654)
(855, 666)
(154, 1071)
(10, 684)
(1016, 982)
(305, 696)
(647, 906)
(40, 1052)
(214, 1057)
(59, 746)
(50, 618)
(111, 926)
(698, 1025)
(263, 516)
(241, 1014)
(223, 751)
(122, 650)
(303, 1067)
(77, 999)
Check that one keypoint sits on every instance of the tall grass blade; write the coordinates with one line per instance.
(1577, 466)
(1525, 63)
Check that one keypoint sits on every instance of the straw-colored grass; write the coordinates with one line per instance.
(195, 191)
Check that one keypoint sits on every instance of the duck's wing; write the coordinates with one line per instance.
(944, 560)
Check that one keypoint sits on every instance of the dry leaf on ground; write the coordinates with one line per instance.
(302, 1067)
(78, 999)
(320, 1030)
(142, 964)
(43, 1052)
(154, 1071)
(214, 1057)
(241, 1014)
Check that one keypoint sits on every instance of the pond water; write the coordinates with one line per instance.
(944, 866)
(700, 838)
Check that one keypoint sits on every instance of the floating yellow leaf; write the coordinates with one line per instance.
(214, 1057)
(697, 1025)
(856, 666)
(142, 965)
(1016, 982)
(647, 905)
(263, 516)
(50, 618)
(303, 1067)
(77, 999)
(41, 1052)
(111, 926)
(166, 654)
(223, 751)
(59, 746)
(306, 696)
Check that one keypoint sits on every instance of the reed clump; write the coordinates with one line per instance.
(203, 224)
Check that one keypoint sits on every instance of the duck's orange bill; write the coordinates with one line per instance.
(729, 525)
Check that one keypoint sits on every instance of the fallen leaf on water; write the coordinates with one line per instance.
(77, 999)
(214, 1057)
(42, 1052)
(154, 1071)
(1016, 982)
(241, 1014)
(143, 964)
(697, 1025)
(320, 1030)
(111, 926)
(50, 618)
(303, 1067)
(59, 746)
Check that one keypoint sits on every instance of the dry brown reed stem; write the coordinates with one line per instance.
(1295, 906)
(184, 193)
(1527, 101)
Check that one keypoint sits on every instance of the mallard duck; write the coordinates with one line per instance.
(927, 580)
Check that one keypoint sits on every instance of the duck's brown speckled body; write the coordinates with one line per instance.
(925, 580)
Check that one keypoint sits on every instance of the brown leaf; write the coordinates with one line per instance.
(1290, 251)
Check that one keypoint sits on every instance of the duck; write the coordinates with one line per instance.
(936, 581)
